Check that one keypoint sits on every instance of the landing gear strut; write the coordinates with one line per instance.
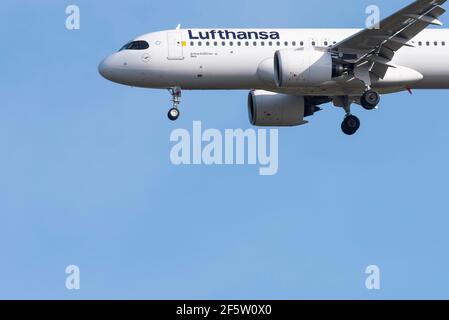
(173, 113)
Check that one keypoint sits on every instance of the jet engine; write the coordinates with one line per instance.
(269, 109)
(303, 67)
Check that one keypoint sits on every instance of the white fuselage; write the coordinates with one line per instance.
(243, 59)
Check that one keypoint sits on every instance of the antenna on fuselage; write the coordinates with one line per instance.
(178, 27)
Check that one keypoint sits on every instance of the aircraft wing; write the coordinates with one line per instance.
(377, 47)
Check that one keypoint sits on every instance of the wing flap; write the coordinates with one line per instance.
(379, 70)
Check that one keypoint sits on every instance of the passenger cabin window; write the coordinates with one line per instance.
(136, 45)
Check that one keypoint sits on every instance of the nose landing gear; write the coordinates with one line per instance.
(173, 113)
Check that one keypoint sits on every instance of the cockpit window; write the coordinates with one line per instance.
(136, 45)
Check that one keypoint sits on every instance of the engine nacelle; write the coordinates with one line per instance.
(269, 109)
(303, 67)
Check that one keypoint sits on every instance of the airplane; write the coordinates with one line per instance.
(290, 73)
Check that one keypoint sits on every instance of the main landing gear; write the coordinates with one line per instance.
(173, 113)
(351, 124)
(370, 99)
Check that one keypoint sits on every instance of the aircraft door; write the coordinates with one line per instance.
(175, 47)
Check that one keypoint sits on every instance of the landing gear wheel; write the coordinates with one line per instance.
(370, 99)
(350, 125)
(173, 114)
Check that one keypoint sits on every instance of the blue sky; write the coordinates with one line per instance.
(86, 178)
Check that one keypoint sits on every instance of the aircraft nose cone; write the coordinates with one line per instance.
(114, 68)
(103, 69)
